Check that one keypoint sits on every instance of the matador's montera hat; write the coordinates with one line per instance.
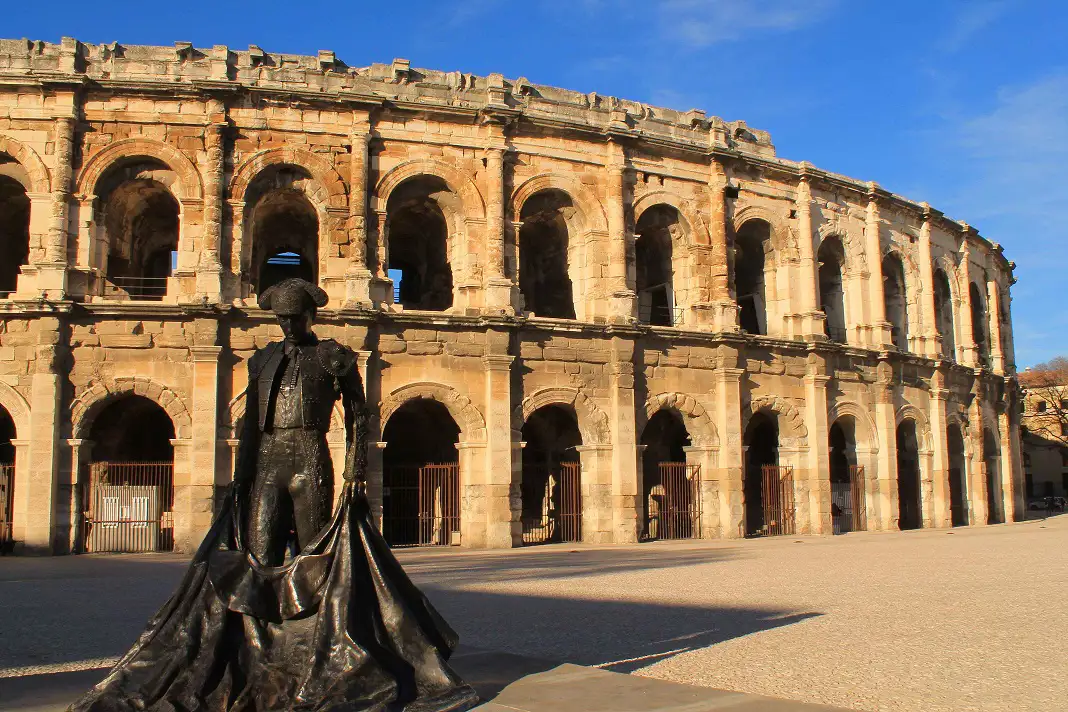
(292, 297)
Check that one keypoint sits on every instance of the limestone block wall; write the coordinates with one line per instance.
(567, 249)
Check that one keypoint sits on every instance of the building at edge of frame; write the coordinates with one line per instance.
(578, 317)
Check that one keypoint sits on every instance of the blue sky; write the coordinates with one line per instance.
(962, 104)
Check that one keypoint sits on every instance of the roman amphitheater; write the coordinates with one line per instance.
(579, 318)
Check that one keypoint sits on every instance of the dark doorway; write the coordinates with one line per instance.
(421, 476)
(992, 459)
(895, 299)
(127, 493)
(551, 489)
(944, 314)
(848, 501)
(418, 249)
(7, 478)
(979, 325)
(832, 293)
(14, 231)
(908, 477)
(670, 487)
(283, 227)
(958, 502)
(762, 450)
(141, 219)
(545, 255)
(653, 263)
(752, 251)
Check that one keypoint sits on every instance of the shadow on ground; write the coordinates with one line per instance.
(69, 609)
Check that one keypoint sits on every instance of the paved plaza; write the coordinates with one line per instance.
(967, 619)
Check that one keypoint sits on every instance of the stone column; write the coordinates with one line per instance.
(967, 337)
(357, 274)
(1014, 489)
(942, 515)
(52, 274)
(880, 328)
(375, 480)
(731, 471)
(884, 501)
(818, 457)
(194, 499)
(476, 502)
(713, 273)
(703, 459)
(80, 450)
(812, 319)
(977, 494)
(503, 528)
(597, 516)
(498, 289)
(37, 492)
(626, 489)
(993, 313)
(209, 268)
(23, 515)
(928, 311)
(624, 302)
(381, 284)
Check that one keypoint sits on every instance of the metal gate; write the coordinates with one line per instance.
(778, 500)
(421, 505)
(552, 499)
(128, 507)
(7, 504)
(674, 506)
(848, 509)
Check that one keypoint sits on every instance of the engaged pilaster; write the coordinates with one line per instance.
(880, 327)
(357, 274)
(623, 301)
(932, 348)
(209, 269)
(812, 317)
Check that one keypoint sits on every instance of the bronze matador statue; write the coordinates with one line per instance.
(288, 605)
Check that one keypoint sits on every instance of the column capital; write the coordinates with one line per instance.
(205, 353)
(497, 362)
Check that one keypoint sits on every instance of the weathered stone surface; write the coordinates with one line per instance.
(441, 191)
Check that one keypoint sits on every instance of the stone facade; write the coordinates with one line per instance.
(610, 258)
(1045, 439)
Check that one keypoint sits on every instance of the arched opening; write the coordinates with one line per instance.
(944, 314)
(958, 500)
(14, 227)
(908, 477)
(992, 461)
(654, 270)
(421, 476)
(128, 493)
(283, 227)
(551, 489)
(831, 257)
(7, 479)
(670, 487)
(752, 252)
(768, 488)
(982, 346)
(546, 255)
(848, 505)
(418, 243)
(895, 300)
(141, 220)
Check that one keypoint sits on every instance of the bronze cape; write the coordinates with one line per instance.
(339, 628)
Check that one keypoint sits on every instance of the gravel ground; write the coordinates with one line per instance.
(972, 619)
